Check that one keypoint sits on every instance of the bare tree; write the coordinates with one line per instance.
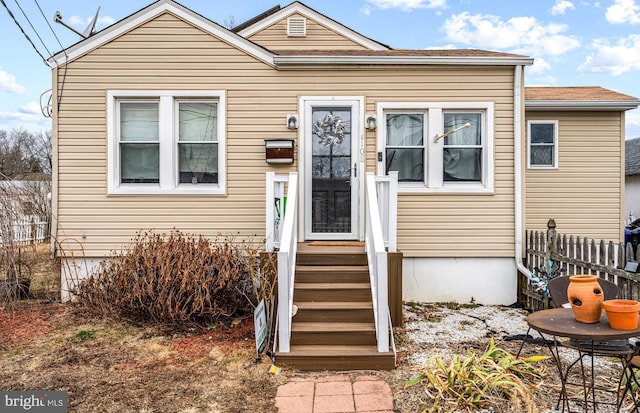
(23, 153)
(230, 22)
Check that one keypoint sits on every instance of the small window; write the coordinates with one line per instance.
(296, 27)
(405, 146)
(543, 144)
(462, 152)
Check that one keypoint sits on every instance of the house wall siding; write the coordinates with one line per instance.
(585, 194)
(632, 197)
(167, 53)
(318, 37)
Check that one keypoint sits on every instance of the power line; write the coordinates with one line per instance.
(66, 58)
(34, 29)
(23, 32)
(49, 24)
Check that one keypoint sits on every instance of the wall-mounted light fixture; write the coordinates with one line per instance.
(371, 121)
(292, 121)
(278, 150)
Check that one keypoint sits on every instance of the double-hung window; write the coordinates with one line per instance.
(437, 147)
(197, 142)
(139, 142)
(405, 145)
(462, 152)
(164, 142)
(543, 143)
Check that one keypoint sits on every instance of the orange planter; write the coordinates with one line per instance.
(586, 297)
(622, 314)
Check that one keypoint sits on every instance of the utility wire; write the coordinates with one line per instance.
(66, 58)
(49, 24)
(23, 32)
(34, 29)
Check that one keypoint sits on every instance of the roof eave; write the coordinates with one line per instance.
(149, 13)
(303, 61)
(616, 105)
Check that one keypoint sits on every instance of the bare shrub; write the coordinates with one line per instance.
(174, 279)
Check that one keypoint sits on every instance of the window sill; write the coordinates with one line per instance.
(446, 190)
(542, 167)
(202, 189)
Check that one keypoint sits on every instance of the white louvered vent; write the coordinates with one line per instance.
(296, 27)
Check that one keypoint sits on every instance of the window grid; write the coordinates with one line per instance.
(543, 141)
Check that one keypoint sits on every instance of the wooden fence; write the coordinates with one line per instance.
(569, 255)
(28, 231)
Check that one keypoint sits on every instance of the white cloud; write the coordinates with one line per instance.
(408, 5)
(83, 22)
(623, 11)
(31, 108)
(27, 114)
(366, 10)
(614, 59)
(561, 7)
(543, 81)
(9, 84)
(540, 65)
(525, 35)
(632, 124)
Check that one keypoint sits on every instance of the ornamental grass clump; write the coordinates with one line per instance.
(478, 382)
(172, 279)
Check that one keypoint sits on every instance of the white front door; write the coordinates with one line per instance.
(331, 131)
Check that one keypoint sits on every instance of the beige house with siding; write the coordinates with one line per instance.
(163, 117)
(582, 184)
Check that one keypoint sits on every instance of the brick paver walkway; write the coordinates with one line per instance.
(335, 394)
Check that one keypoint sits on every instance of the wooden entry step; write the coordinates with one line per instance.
(337, 357)
(334, 325)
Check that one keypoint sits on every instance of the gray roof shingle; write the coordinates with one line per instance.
(632, 156)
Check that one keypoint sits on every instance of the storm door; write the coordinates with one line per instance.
(331, 170)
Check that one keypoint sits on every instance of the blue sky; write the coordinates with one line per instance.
(574, 42)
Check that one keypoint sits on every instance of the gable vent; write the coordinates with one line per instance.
(296, 27)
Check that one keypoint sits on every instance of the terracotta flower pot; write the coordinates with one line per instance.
(622, 314)
(586, 297)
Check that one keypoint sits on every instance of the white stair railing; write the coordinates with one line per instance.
(381, 207)
(287, 241)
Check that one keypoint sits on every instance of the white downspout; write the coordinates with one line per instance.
(517, 161)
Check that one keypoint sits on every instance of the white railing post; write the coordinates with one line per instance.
(273, 218)
(287, 263)
(377, 258)
(392, 212)
(270, 213)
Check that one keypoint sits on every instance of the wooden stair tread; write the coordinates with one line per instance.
(332, 286)
(304, 248)
(335, 350)
(337, 327)
(334, 305)
(332, 268)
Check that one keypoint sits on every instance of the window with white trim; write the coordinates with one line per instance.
(404, 150)
(437, 147)
(543, 143)
(164, 142)
(462, 151)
